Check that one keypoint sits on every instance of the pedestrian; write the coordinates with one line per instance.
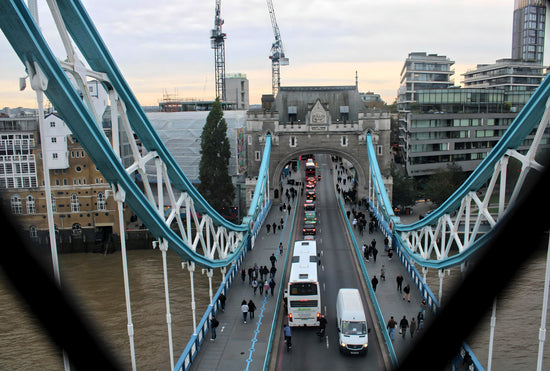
(265, 272)
(213, 325)
(243, 274)
(266, 287)
(273, 259)
(273, 270)
(288, 336)
(274, 227)
(222, 299)
(391, 327)
(374, 252)
(374, 283)
(288, 208)
(255, 285)
(280, 248)
(383, 273)
(250, 272)
(420, 319)
(407, 291)
(244, 309)
(390, 254)
(261, 286)
(403, 324)
(251, 308)
(423, 307)
(412, 327)
(354, 223)
(272, 286)
(268, 226)
(386, 242)
(399, 280)
(363, 248)
(366, 253)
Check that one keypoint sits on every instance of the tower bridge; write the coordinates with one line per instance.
(319, 119)
(301, 120)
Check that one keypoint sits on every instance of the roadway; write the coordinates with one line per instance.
(240, 346)
(338, 269)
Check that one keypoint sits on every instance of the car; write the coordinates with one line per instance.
(310, 185)
(309, 205)
(310, 218)
(310, 195)
(309, 229)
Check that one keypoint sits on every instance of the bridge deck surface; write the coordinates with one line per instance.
(240, 346)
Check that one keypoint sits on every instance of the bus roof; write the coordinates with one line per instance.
(304, 262)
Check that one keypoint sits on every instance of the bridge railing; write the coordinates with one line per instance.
(193, 346)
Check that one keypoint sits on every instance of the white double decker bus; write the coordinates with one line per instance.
(303, 293)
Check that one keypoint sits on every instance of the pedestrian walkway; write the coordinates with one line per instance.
(390, 298)
(243, 346)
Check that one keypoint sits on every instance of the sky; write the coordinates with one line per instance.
(163, 46)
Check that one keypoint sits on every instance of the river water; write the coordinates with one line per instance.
(97, 282)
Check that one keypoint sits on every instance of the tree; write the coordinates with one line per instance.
(443, 183)
(404, 192)
(215, 183)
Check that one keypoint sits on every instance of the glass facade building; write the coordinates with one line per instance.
(528, 30)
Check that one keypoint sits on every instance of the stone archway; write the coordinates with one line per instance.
(277, 165)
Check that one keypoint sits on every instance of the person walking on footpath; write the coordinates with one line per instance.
(243, 274)
(251, 308)
(273, 270)
(280, 248)
(391, 327)
(374, 283)
(255, 285)
(273, 259)
(274, 227)
(222, 299)
(403, 324)
(407, 291)
(374, 251)
(266, 287)
(412, 326)
(244, 309)
(272, 285)
(399, 280)
(261, 286)
(213, 325)
(383, 273)
(268, 226)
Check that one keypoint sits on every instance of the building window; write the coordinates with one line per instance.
(54, 207)
(344, 140)
(76, 229)
(101, 204)
(52, 124)
(16, 204)
(54, 140)
(379, 150)
(293, 141)
(33, 231)
(75, 206)
(257, 156)
(31, 208)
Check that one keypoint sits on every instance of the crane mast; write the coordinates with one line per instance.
(217, 41)
(277, 56)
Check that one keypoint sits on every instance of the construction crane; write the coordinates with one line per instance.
(217, 42)
(277, 56)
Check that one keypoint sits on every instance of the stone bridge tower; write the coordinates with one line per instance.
(318, 120)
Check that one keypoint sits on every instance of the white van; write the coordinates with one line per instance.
(352, 324)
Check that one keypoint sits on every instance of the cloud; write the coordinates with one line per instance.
(166, 44)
